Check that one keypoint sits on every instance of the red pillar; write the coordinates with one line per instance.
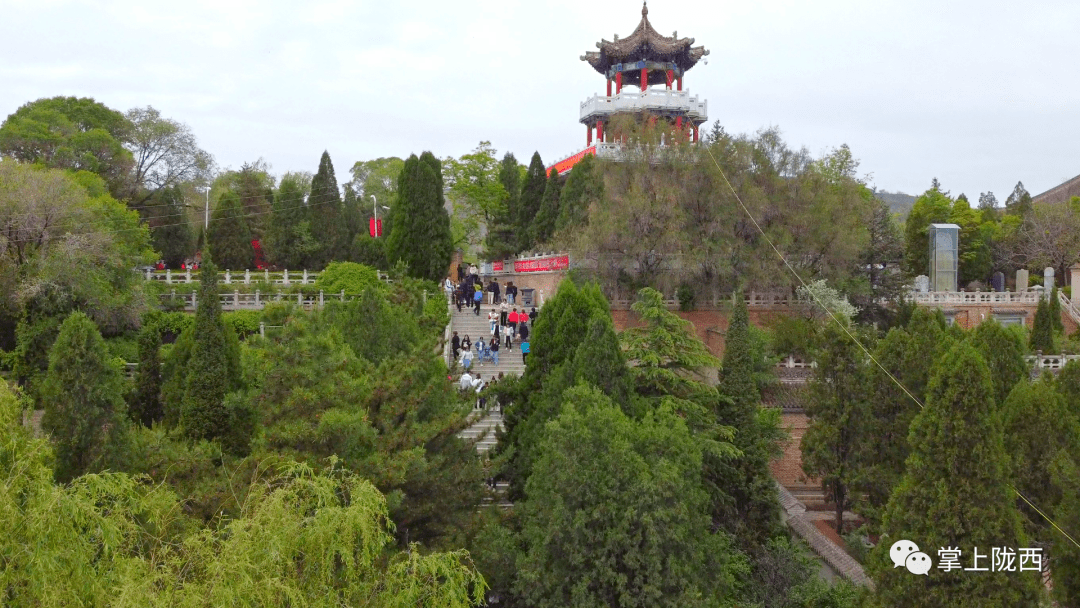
(680, 83)
(599, 131)
(644, 79)
(670, 77)
(678, 124)
(588, 135)
(618, 83)
(609, 87)
(695, 133)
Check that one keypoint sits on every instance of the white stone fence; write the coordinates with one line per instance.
(257, 300)
(961, 298)
(247, 277)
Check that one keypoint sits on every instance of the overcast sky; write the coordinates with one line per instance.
(977, 94)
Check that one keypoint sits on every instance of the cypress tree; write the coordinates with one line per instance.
(532, 192)
(1042, 333)
(1064, 555)
(84, 403)
(229, 235)
(173, 237)
(955, 493)
(1003, 351)
(146, 400)
(745, 496)
(1055, 311)
(203, 414)
(500, 241)
(289, 242)
(327, 221)
(544, 225)
(421, 226)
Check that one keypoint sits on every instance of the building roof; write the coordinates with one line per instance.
(645, 44)
(1060, 193)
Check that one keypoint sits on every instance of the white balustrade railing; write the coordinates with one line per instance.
(975, 297)
(654, 100)
(283, 277)
(1051, 362)
(1067, 306)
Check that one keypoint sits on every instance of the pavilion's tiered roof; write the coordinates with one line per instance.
(645, 44)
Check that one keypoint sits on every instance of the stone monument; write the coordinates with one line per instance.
(998, 281)
(1021, 280)
(1074, 282)
(1048, 279)
(922, 283)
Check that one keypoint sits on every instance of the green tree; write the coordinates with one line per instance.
(748, 505)
(544, 224)
(974, 261)
(884, 251)
(229, 235)
(146, 399)
(1054, 309)
(477, 196)
(213, 367)
(170, 230)
(1068, 385)
(1038, 426)
(908, 354)
(837, 410)
(1064, 554)
(326, 214)
(165, 153)
(1003, 351)
(933, 207)
(79, 134)
(1019, 201)
(532, 192)
(378, 178)
(84, 403)
(421, 226)
(289, 240)
(584, 186)
(954, 493)
(1042, 332)
(500, 242)
(616, 515)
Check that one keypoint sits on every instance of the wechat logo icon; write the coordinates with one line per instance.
(906, 554)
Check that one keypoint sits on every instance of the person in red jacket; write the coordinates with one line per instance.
(512, 321)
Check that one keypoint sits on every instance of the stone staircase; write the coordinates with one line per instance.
(510, 364)
(468, 324)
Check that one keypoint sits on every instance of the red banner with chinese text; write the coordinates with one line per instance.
(558, 262)
(374, 227)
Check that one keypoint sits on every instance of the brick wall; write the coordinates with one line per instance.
(788, 468)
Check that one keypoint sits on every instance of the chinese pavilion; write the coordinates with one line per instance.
(631, 66)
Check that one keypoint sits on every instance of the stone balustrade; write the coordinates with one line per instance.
(247, 277)
(960, 298)
(255, 301)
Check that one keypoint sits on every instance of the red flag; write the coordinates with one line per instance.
(374, 227)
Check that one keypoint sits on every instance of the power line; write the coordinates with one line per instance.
(848, 332)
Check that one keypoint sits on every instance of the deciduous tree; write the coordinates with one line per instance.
(165, 154)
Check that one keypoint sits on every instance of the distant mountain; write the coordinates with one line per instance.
(899, 202)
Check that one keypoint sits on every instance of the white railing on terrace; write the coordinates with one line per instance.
(656, 100)
(257, 300)
(1067, 306)
(247, 277)
(975, 297)
(1051, 362)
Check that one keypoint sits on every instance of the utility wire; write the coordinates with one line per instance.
(847, 331)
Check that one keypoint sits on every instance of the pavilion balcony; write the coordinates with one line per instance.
(656, 101)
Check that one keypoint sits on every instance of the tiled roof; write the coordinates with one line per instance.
(645, 43)
(788, 396)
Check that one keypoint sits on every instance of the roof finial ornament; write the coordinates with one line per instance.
(645, 8)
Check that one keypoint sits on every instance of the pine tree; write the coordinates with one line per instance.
(1003, 351)
(1042, 332)
(421, 226)
(229, 235)
(954, 493)
(934, 206)
(213, 367)
(583, 186)
(737, 380)
(544, 225)
(146, 400)
(83, 398)
(1064, 555)
(532, 192)
(1019, 202)
(327, 221)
